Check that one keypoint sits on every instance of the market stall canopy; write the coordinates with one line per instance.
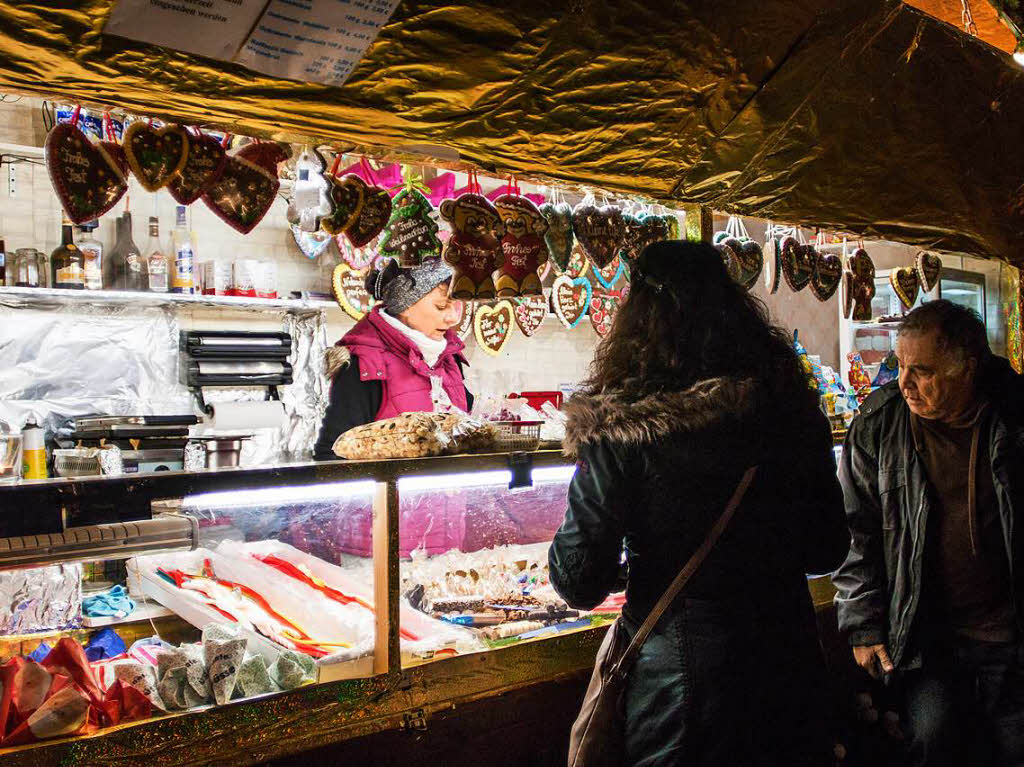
(862, 115)
(990, 24)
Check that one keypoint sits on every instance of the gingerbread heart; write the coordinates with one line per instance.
(673, 230)
(204, 164)
(729, 258)
(357, 258)
(530, 313)
(473, 249)
(797, 263)
(115, 153)
(608, 276)
(772, 265)
(578, 264)
(86, 178)
(600, 231)
(826, 275)
(603, 308)
(570, 298)
(349, 288)
(653, 229)
(155, 155)
(311, 200)
(312, 244)
(465, 324)
(523, 248)
(346, 193)
(493, 326)
(559, 236)
(411, 232)
(905, 284)
(630, 247)
(372, 216)
(247, 188)
(750, 259)
(929, 269)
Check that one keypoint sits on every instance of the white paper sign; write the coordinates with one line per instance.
(212, 28)
(314, 40)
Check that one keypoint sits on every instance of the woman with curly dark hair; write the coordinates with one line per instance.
(692, 387)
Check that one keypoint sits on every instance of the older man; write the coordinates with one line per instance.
(932, 591)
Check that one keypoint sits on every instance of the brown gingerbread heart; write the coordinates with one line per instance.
(750, 259)
(797, 263)
(372, 218)
(559, 236)
(929, 269)
(247, 188)
(653, 228)
(603, 308)
(155, 155)
(86, 178)
(729, 258)
(826, 275)
(570, 298)
(346, 193)
(530, 313)
(905, 284)
(493, 326)
(349, 288)
(600, 231)
(203, 166)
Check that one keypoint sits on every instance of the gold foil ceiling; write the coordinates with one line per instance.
(864, 115)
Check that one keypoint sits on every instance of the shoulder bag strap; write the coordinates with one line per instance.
(685, 574)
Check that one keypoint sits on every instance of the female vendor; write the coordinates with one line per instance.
(403, 356)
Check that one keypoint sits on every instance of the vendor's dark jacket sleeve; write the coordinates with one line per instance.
(353, 402)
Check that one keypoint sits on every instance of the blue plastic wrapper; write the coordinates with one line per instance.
(104, 644)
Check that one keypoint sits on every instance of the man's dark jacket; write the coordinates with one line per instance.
(888, 500)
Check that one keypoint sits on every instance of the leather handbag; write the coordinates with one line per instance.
(598, 735)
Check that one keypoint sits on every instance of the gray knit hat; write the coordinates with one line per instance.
(400, 288)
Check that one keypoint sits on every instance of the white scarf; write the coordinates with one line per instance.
(429, 348)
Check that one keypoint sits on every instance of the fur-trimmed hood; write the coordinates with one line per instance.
(335, 358)
(700, 410)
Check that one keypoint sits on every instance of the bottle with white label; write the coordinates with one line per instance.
(183, 277)
(156, 259)
(92, 255)
(66, 262)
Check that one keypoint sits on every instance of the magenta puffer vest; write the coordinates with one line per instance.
(386, 355)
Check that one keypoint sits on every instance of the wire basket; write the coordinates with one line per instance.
(518, 436)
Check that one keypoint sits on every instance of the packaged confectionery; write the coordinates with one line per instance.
(244, 277)
(265, 283)
(217, 274)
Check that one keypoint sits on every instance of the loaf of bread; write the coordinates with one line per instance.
(417, 435)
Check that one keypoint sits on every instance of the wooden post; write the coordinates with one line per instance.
(699, 223)
(387, 654)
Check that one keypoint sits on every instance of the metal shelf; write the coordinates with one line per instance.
(60, 296)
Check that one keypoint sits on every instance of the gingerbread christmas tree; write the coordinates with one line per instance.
(411, 233)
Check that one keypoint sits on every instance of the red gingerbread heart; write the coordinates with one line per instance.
(203, 166)
(155, 155)
(88, 179)
(530, 313)
(603, 308)
(523, 248)
(247, 188)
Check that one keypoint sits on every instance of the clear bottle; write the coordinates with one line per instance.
(183, 276)
(128, 267)
(156, 261)
(92, 255)
(67, 264)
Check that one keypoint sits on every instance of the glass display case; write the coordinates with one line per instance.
(356, 588)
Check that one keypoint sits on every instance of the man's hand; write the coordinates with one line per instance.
(874, 659)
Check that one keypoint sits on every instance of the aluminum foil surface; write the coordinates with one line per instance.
(862, 115)
(40, 599)
(66, 357)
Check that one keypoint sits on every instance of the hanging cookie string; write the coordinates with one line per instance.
(108, 127)
(224, 142)
(335, 165)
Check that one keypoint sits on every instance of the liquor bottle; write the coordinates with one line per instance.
(183, 276)
(155, 258)
(92, 255)
(66, 262)
(127, 266)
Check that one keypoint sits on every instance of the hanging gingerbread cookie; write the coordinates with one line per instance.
(522, 245)
(473, 249)
(411, 233)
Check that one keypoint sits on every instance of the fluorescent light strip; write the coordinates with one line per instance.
(272, 495)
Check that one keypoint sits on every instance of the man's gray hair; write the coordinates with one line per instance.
(961, 331)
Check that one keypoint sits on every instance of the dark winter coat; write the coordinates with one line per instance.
(731, 673)
(888, 500)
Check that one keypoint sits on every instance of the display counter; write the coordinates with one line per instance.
(266, 584)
